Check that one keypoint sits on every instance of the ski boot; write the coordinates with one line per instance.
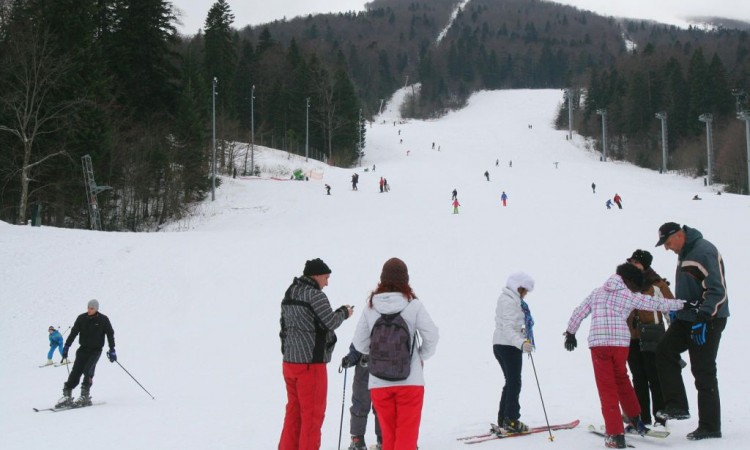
(635, 424)
(514, 426)
(84, 399)
(615, 441)
(66, 400)
(358, 443)
(48, 363)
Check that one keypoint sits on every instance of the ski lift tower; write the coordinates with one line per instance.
(92, 190)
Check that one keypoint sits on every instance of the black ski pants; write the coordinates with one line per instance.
(511, 362)
(702, 365)
(85, 364)
(645, 380)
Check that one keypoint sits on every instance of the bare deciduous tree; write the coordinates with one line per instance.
(33, 74)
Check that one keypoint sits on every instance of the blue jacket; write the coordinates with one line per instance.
(55, 339)
(700, 276)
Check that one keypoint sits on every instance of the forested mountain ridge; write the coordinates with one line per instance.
(119, 83)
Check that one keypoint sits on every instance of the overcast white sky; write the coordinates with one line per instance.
(254, 12)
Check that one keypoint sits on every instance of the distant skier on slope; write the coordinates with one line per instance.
(455, 206)
(618, 200)
(609, 203)
(504, 198)
(455, 195)
(487, 175)
(55, 343)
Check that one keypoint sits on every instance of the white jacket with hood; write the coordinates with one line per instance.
(510, 324)
(418, 320)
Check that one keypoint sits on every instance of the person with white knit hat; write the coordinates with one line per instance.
(513, 337)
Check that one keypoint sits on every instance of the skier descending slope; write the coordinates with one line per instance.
(92, 327)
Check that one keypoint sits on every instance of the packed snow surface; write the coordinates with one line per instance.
(195, 307)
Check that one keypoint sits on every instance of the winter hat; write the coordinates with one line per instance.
(51, 328)
(315, 267)
(394, 272)
(632, 276)
(94, 303)
(666, 230)
(643, 257)
(520, 280)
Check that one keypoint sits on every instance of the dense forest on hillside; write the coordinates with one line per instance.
(113, 79)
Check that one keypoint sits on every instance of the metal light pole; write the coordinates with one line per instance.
(603, 113)
(252, 131)
(570, 113)
(359, 132)
(307, 128)
(213, 156)
(745, 115)
(663, 117)
(708, 119)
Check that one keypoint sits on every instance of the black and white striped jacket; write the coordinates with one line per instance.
(307, 323)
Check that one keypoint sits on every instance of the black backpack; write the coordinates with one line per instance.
(391, 348)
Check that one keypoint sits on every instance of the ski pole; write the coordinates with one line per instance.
(63, 333)
(343, 401)
(549, 429)
(139, 384)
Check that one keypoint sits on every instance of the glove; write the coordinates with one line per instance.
(65, 352)
(692, 304)
(112, 355)
(570, 341)
(527, 347)
(698, 333)
(346, 362)
(351, 359)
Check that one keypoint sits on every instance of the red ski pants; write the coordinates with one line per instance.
(399, 414)
(306, 392)
(614, 386)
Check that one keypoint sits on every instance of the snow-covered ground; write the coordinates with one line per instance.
(196, 308)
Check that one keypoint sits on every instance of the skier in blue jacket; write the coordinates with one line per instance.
(55, 342)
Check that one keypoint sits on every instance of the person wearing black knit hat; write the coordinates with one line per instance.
(307, 342)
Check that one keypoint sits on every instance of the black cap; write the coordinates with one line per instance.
(315, 267)
(643, 257)
(666, 230)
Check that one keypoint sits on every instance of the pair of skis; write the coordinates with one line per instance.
(484, 437)
(55, 364)
(630, 430)
(67, 408)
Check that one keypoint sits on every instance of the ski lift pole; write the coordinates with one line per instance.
(549, 429)
(139, 384)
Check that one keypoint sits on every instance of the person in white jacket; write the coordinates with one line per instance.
(398, 403)
(513, 337)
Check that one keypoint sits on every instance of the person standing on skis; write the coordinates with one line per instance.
(361, 401)
(513, 337)
(55, 343)
(92, 326)
(609, 342)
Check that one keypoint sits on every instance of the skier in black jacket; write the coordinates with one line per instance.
(92, 327)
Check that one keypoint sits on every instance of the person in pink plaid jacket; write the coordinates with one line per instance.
(609, 342)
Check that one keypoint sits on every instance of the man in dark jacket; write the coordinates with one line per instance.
(700, 281)
(307, 342)
(92, 327)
